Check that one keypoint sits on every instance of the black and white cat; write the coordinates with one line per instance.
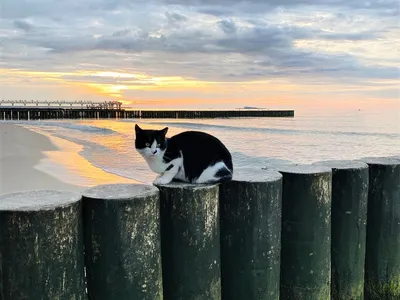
(190, 156)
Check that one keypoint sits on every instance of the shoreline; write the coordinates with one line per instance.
(20, 152)
(31, 160)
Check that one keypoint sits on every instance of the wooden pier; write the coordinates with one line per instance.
(34, 113)
(206, 114)
(36, 110)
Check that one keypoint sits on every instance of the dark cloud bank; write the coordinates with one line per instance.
(231, 40)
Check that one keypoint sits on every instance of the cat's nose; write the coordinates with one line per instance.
(155, 151)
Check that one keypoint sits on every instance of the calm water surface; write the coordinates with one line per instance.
(308, 137)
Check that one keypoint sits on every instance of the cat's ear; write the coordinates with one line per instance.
(164, 131)
(138, 129)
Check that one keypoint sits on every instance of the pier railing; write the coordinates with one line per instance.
(330, 230)
(60, 103)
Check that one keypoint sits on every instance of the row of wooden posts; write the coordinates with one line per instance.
(329, 230)
(33, 113)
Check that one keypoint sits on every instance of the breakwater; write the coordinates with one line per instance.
(329, 230)
(40, 113)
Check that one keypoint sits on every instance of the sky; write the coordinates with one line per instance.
(201, 53)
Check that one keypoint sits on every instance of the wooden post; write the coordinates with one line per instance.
(122, 242)
(41, 246)
(306, 232)
(382, 262)
(251, 235)
(349, 218)
(190, 241)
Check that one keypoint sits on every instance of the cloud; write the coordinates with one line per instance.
(174, 17)
(23, 25)
(228, 26)
(383, 4)
(334, 40)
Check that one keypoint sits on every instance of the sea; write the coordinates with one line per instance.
(307, 137)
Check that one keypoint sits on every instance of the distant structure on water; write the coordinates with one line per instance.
(70, 104)
(43, 110)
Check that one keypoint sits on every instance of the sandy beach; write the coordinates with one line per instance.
(23, 153)
(20, 151)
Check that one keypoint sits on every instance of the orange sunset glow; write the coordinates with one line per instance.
(168, 55)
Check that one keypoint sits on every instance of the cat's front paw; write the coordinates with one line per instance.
(161, 180)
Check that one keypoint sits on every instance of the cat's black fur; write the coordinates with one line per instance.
(199, 150)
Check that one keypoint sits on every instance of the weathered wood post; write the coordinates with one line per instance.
(306, 232)
(190, 241)
(122, 242)
(382, 262)
(41, 246)
(250, 209)
(349, 219)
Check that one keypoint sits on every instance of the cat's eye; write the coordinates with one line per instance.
(147, 144)
(158, 145)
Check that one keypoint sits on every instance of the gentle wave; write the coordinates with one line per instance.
(67, 125)
(111, 161)
(83, 128)
(273, 130)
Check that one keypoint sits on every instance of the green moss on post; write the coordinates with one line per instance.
(251, 235)
(349, 213)
(306, 232)
(190, 241)
(382, 263)
(41, 246)
(122, 242)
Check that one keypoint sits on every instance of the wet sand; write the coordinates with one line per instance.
(20, 151)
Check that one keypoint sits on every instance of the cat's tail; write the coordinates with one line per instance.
(223, 175)
(217, 173)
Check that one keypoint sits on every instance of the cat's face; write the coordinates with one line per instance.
(150, 143)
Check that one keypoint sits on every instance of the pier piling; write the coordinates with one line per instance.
(382, 263)
(330, 230)
(250, 207)
(349, 219)
(41, 246)
(306, 232)
(122, 242)
(190, 241)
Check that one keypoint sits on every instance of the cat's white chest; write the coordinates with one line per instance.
(156, 164)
